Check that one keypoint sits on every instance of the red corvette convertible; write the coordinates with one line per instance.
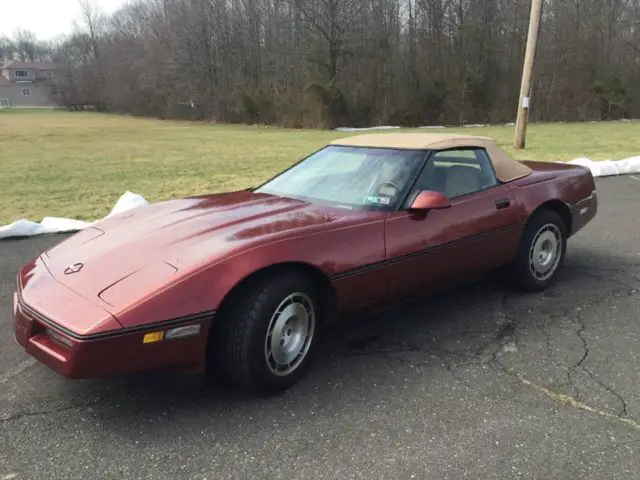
(243, 282)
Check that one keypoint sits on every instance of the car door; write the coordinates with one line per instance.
(480, 230)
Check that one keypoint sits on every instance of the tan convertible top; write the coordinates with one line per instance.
(507, 169)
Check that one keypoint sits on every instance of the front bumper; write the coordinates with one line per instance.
(119, 352)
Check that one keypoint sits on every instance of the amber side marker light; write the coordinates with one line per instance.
(153, 337)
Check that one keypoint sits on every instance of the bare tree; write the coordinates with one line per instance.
(7, 49)
(336, 62)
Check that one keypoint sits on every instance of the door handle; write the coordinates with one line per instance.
(502, 203)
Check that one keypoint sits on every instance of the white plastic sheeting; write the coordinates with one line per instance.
(469, 125)
(605, 168)
(26, 228)
(128, 201)
(365, 129)
(394, 127)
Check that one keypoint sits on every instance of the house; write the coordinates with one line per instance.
(29, 84)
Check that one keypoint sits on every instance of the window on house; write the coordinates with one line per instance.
(26, 92)
(48, 74)
(4, 102)
(21, 74)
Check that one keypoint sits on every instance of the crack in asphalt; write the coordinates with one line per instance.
(585, 345)
(23, 414)
(507, 333)
(595, 300)
(15, 371)
(568, 400)
(571, 401)
(623, 403)
(438, 352)
(504, 334)
(585, 354)
(540, 325)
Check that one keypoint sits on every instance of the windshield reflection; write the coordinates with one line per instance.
(353, 177)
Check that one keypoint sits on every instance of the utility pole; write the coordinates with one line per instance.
(527, 73)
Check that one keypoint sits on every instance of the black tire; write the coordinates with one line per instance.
(524, 275)
(239, 337)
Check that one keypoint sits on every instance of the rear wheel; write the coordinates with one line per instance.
(541, 252)
(266, 335)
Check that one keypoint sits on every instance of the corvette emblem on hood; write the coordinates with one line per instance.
(75, 268)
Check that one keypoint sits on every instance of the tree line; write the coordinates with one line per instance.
(328, 63)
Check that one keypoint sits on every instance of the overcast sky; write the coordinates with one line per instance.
(46, 18)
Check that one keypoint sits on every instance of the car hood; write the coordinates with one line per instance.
(158, 242)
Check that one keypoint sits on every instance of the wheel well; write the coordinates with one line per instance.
(322, 282)
(561, 209)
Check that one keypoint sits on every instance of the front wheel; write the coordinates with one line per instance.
(267, 334)
(541, 252)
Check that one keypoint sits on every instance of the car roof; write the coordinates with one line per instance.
(507, 169)
(412, 141)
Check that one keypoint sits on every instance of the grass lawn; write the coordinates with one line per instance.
(77, 164)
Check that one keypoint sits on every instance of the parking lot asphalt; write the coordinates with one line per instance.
(480, 382)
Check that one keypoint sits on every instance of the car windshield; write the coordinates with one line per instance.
(350, 177)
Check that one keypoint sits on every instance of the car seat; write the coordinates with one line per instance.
(462, 180)
(433, 178)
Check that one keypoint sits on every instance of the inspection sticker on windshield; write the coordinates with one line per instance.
(378, 200)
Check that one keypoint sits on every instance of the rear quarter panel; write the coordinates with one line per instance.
(572, 185)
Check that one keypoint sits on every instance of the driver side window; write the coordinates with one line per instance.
(457, 172)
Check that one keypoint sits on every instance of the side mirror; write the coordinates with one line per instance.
(429, 200)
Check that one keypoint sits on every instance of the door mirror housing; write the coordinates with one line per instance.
(429, 200)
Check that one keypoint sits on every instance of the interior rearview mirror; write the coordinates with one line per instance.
(429, 200)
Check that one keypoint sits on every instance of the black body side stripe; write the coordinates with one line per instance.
(426, 251)
(123, 331)
(211, 313)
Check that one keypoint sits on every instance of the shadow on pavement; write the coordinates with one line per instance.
(465, 325)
